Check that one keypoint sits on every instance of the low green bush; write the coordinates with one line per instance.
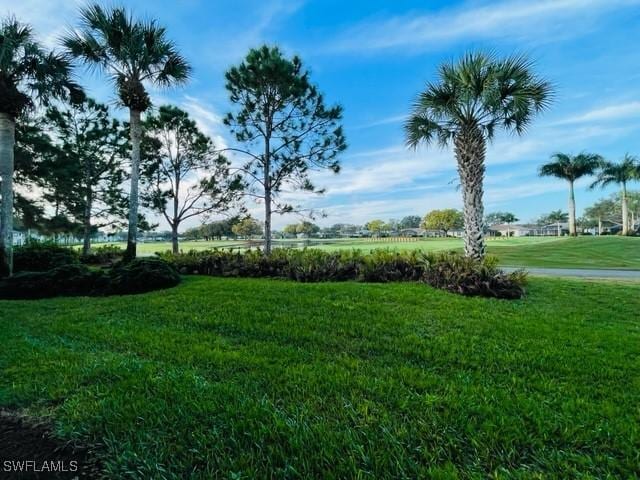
(142, 275)
(459, 274)
(102, 255)
(68, 280)
(449, 271)
(42, 256)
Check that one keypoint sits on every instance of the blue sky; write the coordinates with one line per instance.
(374, 57)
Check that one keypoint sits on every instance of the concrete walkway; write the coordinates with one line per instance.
(580, 272)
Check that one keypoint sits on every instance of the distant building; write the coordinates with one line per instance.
(528, 230)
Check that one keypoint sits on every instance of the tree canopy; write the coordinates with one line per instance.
(282, 127)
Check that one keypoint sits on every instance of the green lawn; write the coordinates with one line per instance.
(581, 252)
(246, 378)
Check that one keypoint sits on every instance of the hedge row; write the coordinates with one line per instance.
(446, 270)
(138, 276)
(43, 256)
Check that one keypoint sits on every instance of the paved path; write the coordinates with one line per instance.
(580, 272)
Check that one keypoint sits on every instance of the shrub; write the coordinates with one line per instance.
(42, 256)
(390, 266)
(103, 255)
(72, 279)
(448, 271)
(459, 274)
(318, 266)
(142, 275)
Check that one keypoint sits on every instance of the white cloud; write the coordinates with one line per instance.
(45, 17)
(514, 18)
(605, 113)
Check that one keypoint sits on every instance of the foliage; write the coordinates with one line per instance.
(571, 167)
(284, 127)
(312, 265)
(375, 226)
(102, 255)
(29, 76)
(445, 220)
(472, 99)
(466, 276)
(333, 381)
(131, 52)
(410, 221)
(247, 227)
(304, 228)
(42, 256)
(68, 280)
(175, 153)
(212, 230)
(60, 273)
(556, 216)
(618, 173)
(142, 275)
(479, 91)
(85, 171)
(28, 73)
(500, 217)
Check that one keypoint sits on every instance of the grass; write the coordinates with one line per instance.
(582, 252)
(256, 378)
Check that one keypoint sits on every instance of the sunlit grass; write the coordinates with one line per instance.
(256, 378)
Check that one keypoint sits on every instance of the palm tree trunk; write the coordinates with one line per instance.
(7, 142)
(572, 211)
(135, 131)
(470, 150)
(559, 229)
(599, 226)
(625, 211)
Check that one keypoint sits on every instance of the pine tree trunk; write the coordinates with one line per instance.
(136, 135)
(175, 247)
(470, 150)
(86, 240)
(572, 211)
(7, 142)
(267, 197)
(176, 221)
(267, 221)
(625, 211)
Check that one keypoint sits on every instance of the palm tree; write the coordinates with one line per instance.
(472, 98)
(619, 174)
(28, 75)
(557, 217)
(571, 168)
(508, 218)
(133, 53)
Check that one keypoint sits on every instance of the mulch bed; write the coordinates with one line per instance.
(29, 446)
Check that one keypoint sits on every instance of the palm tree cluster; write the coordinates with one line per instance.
(573, 167)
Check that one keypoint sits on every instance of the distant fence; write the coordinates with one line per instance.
(393, 239)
